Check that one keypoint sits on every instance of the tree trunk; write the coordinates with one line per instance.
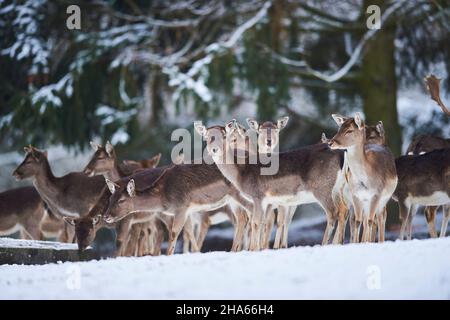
(378, 86)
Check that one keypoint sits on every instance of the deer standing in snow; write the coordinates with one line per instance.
(293, 184)
(268, 142)
(22, 209)
(104, 162)
(374, 135)
(373, 177)
(178, 190)
(422, 184)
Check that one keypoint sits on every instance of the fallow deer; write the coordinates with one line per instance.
(178, 190)
(372, 179)
(23, 210)
(104, 162)
(420, 145)
(305, 175)
(423, 180)
(268, 142)
(72, 195)
(86, 227)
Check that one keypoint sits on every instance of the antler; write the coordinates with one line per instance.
(432, 83)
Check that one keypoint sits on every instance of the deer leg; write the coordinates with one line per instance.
(122, 230)
(204, 227)
(239, 220)
(281, 221)
(403, 212)
(331, 221)
(270, 219)
(186, 243)
(189, 230)
(67, 233)
(290, 216)
(342, 218)
(430, 215)
(382, 224)
(132, 242)
(446, 218)
(412, 213)
(177, 226)
(357, 209)
(159, 238)
(351, 219)
(255, 228)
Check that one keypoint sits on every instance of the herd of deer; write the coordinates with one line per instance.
(351, 176)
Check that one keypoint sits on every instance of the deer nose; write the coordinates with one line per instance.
(82, 247)
(89, 172)
(108, 219)
(16, 175)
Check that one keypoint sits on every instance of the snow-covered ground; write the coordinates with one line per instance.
(418, 269)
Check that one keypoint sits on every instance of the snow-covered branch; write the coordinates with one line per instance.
(190, 79)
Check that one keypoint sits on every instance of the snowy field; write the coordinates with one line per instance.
(418, 269)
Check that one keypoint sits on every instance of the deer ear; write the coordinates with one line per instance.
(131, 188)
(282, 122)
(201, 129)
(380, 128)
(111, 185)
(252, 124)
(94, 145)
(240, 129)
(154, 161)
(324, 138)
(109, 148)
(70, 221)
(230, 125)
(359, 121)
(339, 119)
(179, 159)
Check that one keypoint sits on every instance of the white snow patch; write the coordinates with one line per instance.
(418, 269)
(20, 243)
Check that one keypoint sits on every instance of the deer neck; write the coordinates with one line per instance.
(228, 167)
(115, 173)
(47, 184)
(356, 160)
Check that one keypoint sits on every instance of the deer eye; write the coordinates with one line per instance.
(348, 131)
(120, 201)
(95, 220)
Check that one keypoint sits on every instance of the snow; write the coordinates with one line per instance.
(19, 243)
(418, 269)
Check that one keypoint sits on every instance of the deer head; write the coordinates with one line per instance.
(268, 133)
(32, 164)
(152, 162)
(85, 229)
(102, 160)
(351, 132)
(216, 137)
(121, 202)
(375, 134)
(432, 83)
(324, 139)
